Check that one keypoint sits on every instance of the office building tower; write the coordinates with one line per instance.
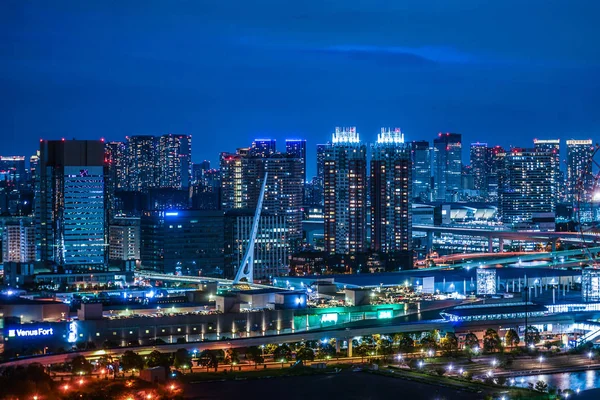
(580, 180)
(70, 203)
(124, 239)
(529, 186)
(480, 167)
(421, 170)
(447, 166)
(142, 163)
(321, 151)
(345, 180)
(390, 187)
(12, 168)
(182, 242)
(263, 147)
(271, 248)
(198, 170)
(18, 242)
(174, 161)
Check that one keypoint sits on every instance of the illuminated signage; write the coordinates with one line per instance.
(30, 332)
(72, 328)
(171, 214)
(329, 318)
(384, 314)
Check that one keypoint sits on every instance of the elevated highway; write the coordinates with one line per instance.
(502, 235)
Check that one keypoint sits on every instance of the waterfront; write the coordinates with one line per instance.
(582, 380)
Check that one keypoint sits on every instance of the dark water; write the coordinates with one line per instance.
(584, 380)
(347, 386)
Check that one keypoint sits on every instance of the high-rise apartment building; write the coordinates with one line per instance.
(70, 202)
(390, 184)
(553, 146)
(421, 170)
(480, 167)
(263, 147)
(345, 187)
(142, 163)
(124, 239)
(496, 172)
(296, 148)
(174, 161)
(116, 172)
(232, 192)
(579, 168)
(529, 185)
(447, 166)
(18, 242)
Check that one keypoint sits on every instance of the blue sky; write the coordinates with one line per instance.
(225, 71)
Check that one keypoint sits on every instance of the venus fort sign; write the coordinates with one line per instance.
(30, 332)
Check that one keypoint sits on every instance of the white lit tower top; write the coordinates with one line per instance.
(389, 136)
(345, 136)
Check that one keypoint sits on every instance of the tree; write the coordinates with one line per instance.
(80, 364)
(428, 342)
(541, 386)
(232, 356)
(384, 347)
(254, 354)
(471, 340)
(511, 338)
(270, 348)
(325, 351)
(361, 350)
(131, 360)
(158, 359)
(282, 352)
(305, 354)
(182, 359)
(449, 343)
(532, 335)
(209, 359)
(491, 340)
(405, 343)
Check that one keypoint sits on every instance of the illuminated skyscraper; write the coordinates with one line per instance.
(296, 148)
(497, 172)
(232, 193)
(480, 167)
(529, 185)
(421, 170)
(174, 161)
(142, 163)
(579, 160)
(12, 168)
(263, 147)
(391, 221)
(70, 206)
(553, 146)
(345, 179)
(447, 164)
(116, 172)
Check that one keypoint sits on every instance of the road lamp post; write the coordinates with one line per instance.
(541, 359)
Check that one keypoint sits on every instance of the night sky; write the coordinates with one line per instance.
(501, 72)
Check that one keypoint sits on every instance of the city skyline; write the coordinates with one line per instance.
(234, 71)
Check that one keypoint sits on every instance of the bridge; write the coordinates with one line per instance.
(502, 235)
(154, 276)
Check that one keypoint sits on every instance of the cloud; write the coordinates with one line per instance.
(429, 53)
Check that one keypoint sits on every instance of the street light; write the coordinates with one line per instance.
(590, 355)
(541, 361)
(421, 363)
(494, 362)
(450, 368)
